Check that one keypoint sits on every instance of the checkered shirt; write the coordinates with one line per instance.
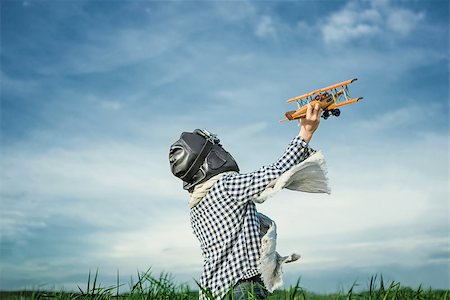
(227, 226)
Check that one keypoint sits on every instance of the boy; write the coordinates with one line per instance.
(223, 213)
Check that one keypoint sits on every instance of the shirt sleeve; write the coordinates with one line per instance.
(243, 187)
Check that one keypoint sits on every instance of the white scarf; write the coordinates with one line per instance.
(308, 176)
(202, 189)
(270, 260)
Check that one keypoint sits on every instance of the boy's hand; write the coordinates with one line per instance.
(310, 123)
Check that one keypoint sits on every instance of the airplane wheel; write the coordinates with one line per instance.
(325, 114)
(336, 112)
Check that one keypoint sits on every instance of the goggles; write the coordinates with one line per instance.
(211, 137)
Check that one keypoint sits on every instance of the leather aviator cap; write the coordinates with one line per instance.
(197, 156)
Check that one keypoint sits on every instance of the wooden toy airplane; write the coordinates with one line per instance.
(329, 98)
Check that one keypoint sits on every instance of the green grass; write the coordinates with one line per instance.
(162, 287)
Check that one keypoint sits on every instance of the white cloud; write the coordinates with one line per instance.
(404, 21)
(265, 27)
(235, 11)
(402, 116)
(111, 105)
(15, 86)
(125, 187)
(127, 46)
(349, 24)
(357, 21)
(86, 179)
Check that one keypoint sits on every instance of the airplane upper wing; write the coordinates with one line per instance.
(335, 86)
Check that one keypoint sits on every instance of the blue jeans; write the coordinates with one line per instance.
(249, 290)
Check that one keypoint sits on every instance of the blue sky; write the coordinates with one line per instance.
(94, 92)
